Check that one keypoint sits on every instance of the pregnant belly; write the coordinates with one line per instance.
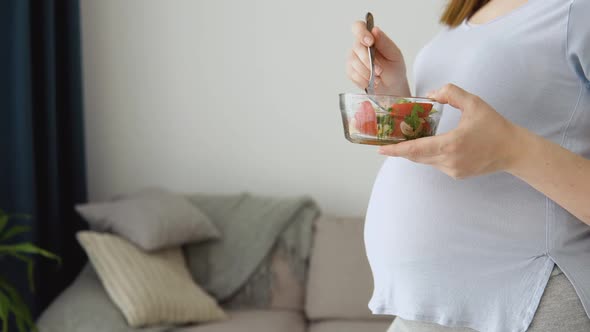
(418, 214)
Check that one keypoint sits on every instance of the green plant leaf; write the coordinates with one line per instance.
(20, 324)
(14, 231)
(19, 308)
(3, 221)
(12, 293)
(30, 268)
(4, 311)
(27, 248)
(11, 303)
(22, 314)
(19, 216)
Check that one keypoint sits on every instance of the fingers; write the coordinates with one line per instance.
(359, 66)
(359, 72)
(428, 151)
(424, 150)
(362, 55)
(455, 96)
(361, 34)
(358, 79)
(385, 45)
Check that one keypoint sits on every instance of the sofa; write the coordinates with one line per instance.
(334, 298)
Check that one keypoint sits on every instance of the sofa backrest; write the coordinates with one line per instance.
(340, 282)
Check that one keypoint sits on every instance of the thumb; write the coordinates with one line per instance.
(385, 45)
(454, 96)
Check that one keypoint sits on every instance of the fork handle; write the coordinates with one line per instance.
(370, 24)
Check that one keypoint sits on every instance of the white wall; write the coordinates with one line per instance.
(225, 96)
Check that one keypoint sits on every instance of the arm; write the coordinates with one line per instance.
(558, 173)
(485, 142)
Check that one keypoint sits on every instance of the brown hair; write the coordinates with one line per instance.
(459, 10)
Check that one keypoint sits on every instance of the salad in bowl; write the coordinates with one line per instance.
(383, 119)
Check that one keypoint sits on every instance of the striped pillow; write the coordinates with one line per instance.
(149, 288)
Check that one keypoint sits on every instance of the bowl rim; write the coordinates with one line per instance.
(411, 98)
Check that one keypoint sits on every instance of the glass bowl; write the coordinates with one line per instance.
(399, 118)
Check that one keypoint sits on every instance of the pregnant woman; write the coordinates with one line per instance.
(486, 226)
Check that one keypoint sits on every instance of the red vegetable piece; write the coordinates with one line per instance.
(365, 119)
(426, 129)
(397, 131)
(405, 109)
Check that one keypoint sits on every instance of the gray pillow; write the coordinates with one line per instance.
(153, 219)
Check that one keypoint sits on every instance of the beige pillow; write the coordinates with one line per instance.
(149, 288)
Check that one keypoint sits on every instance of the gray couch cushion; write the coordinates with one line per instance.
(350, 326)
(84, 307)
(254, 321)
(152, 219)
(340, 281)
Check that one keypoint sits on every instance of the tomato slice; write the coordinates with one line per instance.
(405, 109)
(365, 119)
(397, 131)
(426, 129)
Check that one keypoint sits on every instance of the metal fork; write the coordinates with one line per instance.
(370, 90)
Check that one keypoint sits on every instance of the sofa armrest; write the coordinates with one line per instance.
(340, 282)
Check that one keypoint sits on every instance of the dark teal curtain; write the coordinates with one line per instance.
(42, 168)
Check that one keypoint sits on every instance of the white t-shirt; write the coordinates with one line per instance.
(478, 252)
